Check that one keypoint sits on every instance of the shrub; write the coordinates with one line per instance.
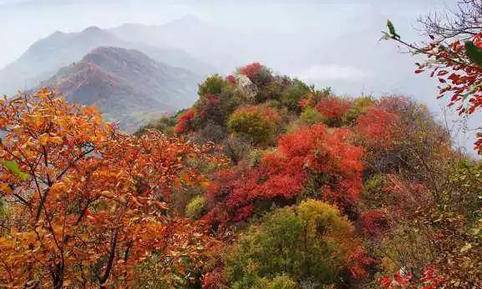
(213, 85)
(195, 207)
(333, 110)
(309, 241)
(282, 175)
(257, 73)
(185, 121)
(293, 94)
(218, 98)
(256, 123)
(279, 282)
(359, 106)
(377, 127)
(311, 116)
(374, 222)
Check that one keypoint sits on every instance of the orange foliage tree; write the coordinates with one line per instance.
(85, 203)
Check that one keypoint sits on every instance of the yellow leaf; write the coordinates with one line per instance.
(57, 187)
(43, 139)
(107, 194)
(205, 184)
(37, 120)
(466, 247)
(56, 140)
(5, 188)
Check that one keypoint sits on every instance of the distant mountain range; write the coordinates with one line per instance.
(126, 77)
(222, 48)
(203, 48)
(127, 85)
(46, 56)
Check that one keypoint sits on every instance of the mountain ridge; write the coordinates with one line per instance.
(46, 56)
(124, 83)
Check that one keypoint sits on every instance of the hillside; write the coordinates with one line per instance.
(265, 182)
(125, 84)
(46, 56)
(315, 180)
(247, 145)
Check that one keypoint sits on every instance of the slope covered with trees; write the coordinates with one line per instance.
(265, 182)
(323, 191)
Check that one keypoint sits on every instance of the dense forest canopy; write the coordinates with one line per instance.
(264, 182)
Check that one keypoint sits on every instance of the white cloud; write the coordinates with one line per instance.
(330, 72)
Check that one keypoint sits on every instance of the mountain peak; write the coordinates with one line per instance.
(58, 32)
(125, 84)
(106, 54)
(91, 29)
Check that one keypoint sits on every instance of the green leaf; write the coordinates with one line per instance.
(473, 53)
(12, 166)
(3, 209)
(391, 30)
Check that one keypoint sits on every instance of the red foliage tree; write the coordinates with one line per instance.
(184, 121)
(333, 109)
(231, 79)
(87, 203)
(376, 127)
(374, 222)
(313, 154)
(359, 262)
(251, 70)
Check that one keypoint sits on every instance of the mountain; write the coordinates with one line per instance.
(225, 47)
(221, 47)
(126, 85)
(46, 56)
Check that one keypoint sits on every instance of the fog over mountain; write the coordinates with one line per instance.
(126, 85)
(316, 41)
(46, 56)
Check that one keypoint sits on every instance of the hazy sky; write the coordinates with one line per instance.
(354, 26)
(26, 21)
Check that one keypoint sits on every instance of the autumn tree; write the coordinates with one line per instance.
(311, 243)
(453, 55)
(313, 162)
(258, 124)
(294, 93)
(185, 121)
(333, 109)
(86, 203)
(415, 193)
(377, 127)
